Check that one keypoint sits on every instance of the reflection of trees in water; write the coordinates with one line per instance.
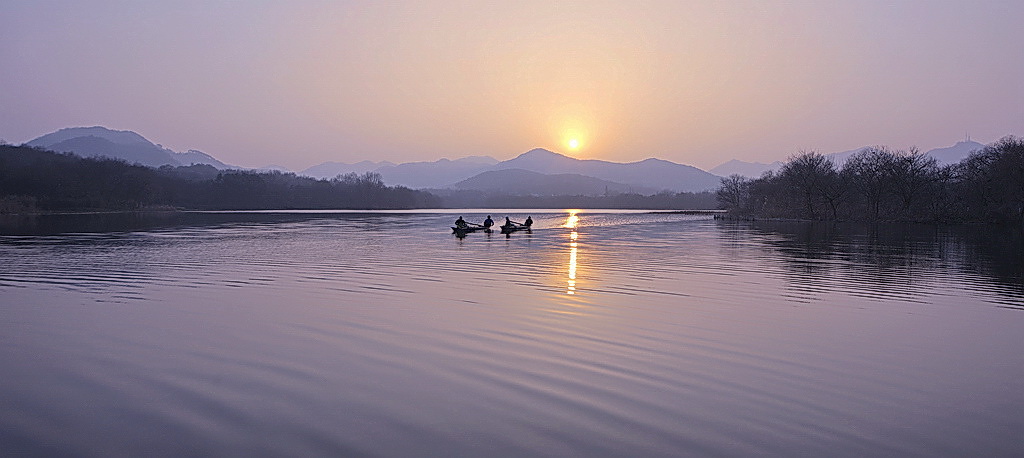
(96, 222)
(997, 252)
(895, 260)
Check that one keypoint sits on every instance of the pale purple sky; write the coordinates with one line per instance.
(297, 83)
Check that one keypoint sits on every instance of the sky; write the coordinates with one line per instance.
(297, 83)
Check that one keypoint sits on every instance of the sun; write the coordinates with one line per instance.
(574, 143)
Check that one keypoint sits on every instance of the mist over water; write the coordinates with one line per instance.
(623, 334)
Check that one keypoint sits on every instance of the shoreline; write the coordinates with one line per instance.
(355, 210)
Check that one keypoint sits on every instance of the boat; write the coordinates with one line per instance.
(508, 229)
(469, 229)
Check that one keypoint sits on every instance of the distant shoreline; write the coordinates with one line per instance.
(371, 210)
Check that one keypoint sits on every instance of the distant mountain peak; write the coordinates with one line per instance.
(654, 160)
(540, 152)
(651, 173)
(121, 137)
(955, 153)
(119, 144)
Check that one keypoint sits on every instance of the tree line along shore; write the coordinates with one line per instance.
(36, 181)
(876, 184)
(881, 184)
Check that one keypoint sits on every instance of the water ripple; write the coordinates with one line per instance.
(633, 335)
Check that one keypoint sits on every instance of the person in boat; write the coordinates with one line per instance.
(461, 223)
(508, 222)
(529, 222)
(488, 222)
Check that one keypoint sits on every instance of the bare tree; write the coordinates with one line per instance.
(991, 181)
(867, 172)
(809, 175)
(733, 194)
(911, 174)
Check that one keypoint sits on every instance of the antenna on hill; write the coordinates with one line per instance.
(967, 137)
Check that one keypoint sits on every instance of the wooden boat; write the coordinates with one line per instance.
(469, 229)
(508, 229)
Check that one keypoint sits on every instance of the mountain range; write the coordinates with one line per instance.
(538, 171)
(648, 176)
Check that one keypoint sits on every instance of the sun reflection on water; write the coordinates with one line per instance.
(572, 262)
(572, 222)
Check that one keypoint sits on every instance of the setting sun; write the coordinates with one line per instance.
(574, 143)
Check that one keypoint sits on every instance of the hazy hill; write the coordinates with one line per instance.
(410, 174)
(194, 156)
(651, 173)
(840, 158)
(333, 169)
(129, 146)
(649, 176)
(434, 174)
(273, 168)
(755, 169)
(955, 153)
(121, 137)
(945, 156)
(747, 169)
(92, 146)
(525, 182)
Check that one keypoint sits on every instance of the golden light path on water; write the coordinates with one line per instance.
(572, 222)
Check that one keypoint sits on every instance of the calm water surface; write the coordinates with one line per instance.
(631, 334)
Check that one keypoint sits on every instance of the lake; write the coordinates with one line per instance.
(598, 334)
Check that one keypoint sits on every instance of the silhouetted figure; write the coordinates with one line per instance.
(461, 223)
(488, 222)
(529, 222)
(512, 226)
